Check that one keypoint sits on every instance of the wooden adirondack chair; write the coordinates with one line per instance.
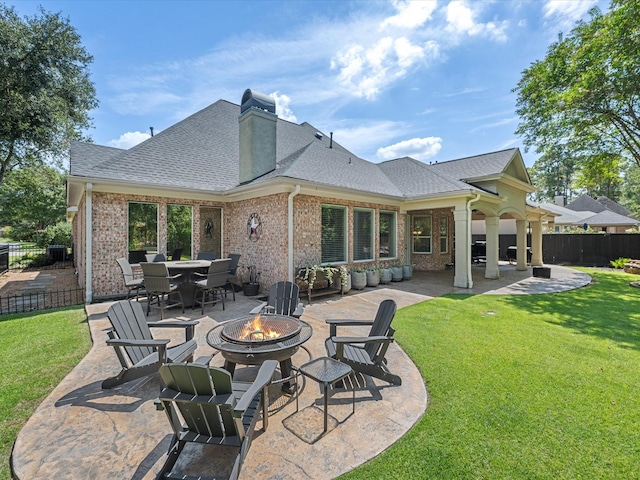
(139, 353)
(283, 300)
(203, 405)
(366, 354)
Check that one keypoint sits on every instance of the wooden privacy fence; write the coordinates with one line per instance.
(43, 300)
(586, 249)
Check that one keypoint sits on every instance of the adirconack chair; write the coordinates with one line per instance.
(205, 406)
(366, 354)
(139, 353)
(283, 300)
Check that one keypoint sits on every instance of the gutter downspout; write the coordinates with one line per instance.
(469, 202)
(88, 265)
(295, 192)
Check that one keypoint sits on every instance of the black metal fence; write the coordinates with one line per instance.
(43, 300)
(31, 257)
(585, 249)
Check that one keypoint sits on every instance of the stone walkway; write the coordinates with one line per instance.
(81, 431)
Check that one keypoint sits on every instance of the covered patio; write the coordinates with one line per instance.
(82, 431)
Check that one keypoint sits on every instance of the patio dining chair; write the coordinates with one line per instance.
(155, 257)
(131, 282)
(177, 254)
(211, 284)
(206, 256)
(160, 286)
(232, 276)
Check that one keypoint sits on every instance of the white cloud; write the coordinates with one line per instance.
(359, 135)
(282, 107)
(411, 14)
(364, 71)
(571, 9)
(564, 13)
(129, 139)
(418, 148)
(461, 20)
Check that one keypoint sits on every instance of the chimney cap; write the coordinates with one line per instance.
(251, 99)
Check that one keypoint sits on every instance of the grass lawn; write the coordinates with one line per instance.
(37, 350)
(523, 386)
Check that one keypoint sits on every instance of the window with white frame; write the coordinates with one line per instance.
(363, 234)
(334, 234)
(444, 234)
(421, 233)
(387, 234)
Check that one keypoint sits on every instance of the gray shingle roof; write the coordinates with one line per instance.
(477, 166)
(584, 203)
(201, 153)
(613, 206)
(609, 218)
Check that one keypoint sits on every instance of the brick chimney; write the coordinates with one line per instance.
(258, 122)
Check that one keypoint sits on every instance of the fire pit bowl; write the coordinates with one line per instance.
(251, 341)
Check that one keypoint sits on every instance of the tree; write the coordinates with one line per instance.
(601, 176)
(631, 190)
(584, 97)
(45, 90)
(32, 198)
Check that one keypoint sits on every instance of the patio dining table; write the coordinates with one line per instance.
(185, 268)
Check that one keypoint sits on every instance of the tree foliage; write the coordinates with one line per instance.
(45, 90)
(31, 199)
(583, 98)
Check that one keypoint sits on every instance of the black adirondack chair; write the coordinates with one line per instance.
(204, 405)
(283, 300)
(139, 353)
(366, 354)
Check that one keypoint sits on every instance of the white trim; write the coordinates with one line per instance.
(88, 265)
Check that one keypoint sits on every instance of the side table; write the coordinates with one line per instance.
(327, 371)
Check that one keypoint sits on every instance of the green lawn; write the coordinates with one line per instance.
(36, 352)
(523, 386)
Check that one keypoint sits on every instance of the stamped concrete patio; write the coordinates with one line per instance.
(82, 431)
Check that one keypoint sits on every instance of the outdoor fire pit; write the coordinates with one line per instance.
(253, 339)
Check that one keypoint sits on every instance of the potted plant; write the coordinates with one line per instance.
(358, 278)
(373, 277)
(385, 275)
(397, 273)
(345, 279)
(252, 287)
(407, 271)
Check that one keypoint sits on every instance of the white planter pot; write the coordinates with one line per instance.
(396, 274)
(407, 272)
(386, 275)
(373, 278)
(358, 280)
(346, 286)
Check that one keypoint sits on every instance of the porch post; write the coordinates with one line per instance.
(462, 277)
(493, 247)
(536, 243)
(521, 245)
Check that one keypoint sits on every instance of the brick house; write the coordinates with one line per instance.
(285, 195)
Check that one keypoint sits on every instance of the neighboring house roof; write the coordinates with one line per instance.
(614, 206)
(201, 153)
(609, 218)
(565, 215)
(584, 203)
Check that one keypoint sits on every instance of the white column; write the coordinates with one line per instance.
(536, 243)
(521, 244)
(462, 277)
(493, 246)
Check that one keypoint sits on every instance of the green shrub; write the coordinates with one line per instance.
(58, 234)
(619, 262)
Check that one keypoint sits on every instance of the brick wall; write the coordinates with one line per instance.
(434, 260)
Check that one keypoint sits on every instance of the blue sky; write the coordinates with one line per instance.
(432, 80)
